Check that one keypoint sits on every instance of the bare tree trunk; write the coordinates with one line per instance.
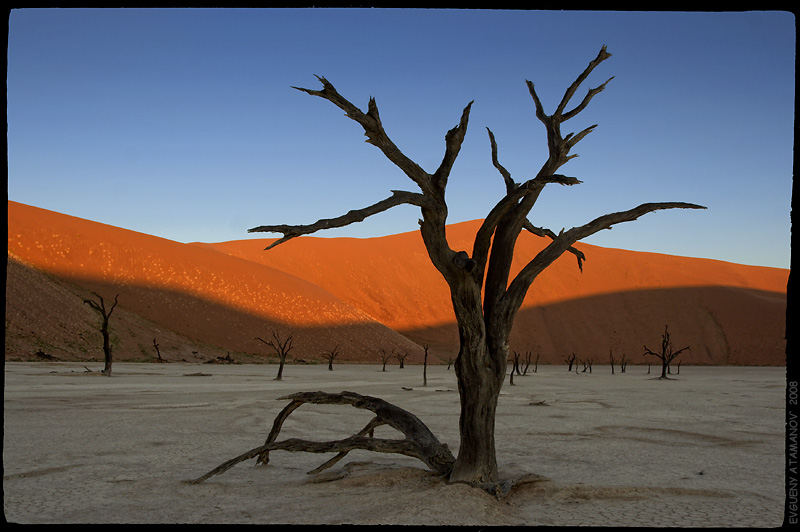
(667, 354)
(425, 367)
(331, 356)
(281, 348)
(385, 357)
(105, 314)
(478, 392)
(485, 298)
(158, 352)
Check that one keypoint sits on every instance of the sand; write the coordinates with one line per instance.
(703, 449)
(364, 295)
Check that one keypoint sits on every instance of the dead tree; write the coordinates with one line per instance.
(623, 363)
(667, 354)
(385, 357)
(611, 356)
(281, 348)
(100, 308)
(419, 441)
(514, 368)
(570, 360)
(425, 366)
(330, 356)
(527, 363)
(158, 351)
(484, 296)
(401, 357)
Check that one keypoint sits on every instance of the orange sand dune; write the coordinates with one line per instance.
(197, 292)
(732, 313)
(729, 313)
(391, 278)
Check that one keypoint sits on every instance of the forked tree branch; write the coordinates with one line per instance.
(601, 56)
(543, 231)
(483, 238)
(419, 441)
(431, 185)
(519, 286)
(373, 129)
(398, 197)
(101, 307)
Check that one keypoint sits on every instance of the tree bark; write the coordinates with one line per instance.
(419, 441)
(485, 299)
(105, 314)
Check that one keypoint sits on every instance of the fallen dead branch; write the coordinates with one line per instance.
(419, 441)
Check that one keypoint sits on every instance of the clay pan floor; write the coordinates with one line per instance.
(706, 448)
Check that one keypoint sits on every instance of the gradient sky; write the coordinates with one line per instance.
(182, 123)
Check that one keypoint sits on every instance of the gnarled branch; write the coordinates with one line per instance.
(519, 286)
(373, 129)
(542, 231)
(398, 197)
(419, 441)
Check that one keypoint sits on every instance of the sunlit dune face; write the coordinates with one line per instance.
(391, 278)
(79, 249)
(729, 313)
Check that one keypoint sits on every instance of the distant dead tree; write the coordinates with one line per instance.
(330, 356)
(401, 357)
(667, 354)
(587, 364)
(425, 366)
(611, 356)
(484, 294)
(385, 357)
(281, 348)
(623, 363)
(514, 368)
(158, 352)
(100, 307)
(570, 360)
(536, 364)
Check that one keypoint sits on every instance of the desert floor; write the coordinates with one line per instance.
(703, 449)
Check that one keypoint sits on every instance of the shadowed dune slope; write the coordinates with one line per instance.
(730, 313)
(194, 292)
(358, 292)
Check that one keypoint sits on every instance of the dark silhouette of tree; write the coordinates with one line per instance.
(158, 351)
(514, 368)
(425, 366)
(385, 357)
(100, 307)
(281, 348)
(570, 360)
(330, 356)
(667, 354)
(485, 297)
(401, 357)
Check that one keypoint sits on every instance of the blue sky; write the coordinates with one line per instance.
(182, 123)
